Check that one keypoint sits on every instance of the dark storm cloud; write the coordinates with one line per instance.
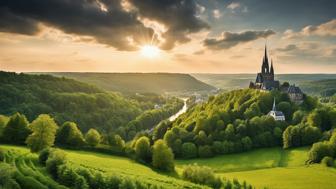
(179, 16)
(81, 17)
(229, 39)
(110, 24)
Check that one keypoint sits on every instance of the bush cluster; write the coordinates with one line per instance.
(205, 176)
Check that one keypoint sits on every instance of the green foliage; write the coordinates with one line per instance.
(322, 118)
(201, 175)
(189, 150)
(150, 118)
(300, 135)
(3, 122)
(55, 159)
(163, 157)
(92, 137)
(143, 149)
(323, 149)
(116, 141)
(141, 82)
(16, 130)
(44, 155)
(205, 151)
(7, 180)
(44, 130)
(70, 135)
(66, 100)
(327, 161)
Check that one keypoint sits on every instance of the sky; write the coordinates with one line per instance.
(180, 36)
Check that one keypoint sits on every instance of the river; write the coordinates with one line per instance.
(181, 111)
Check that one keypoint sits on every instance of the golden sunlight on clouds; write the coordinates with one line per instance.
(150, 51)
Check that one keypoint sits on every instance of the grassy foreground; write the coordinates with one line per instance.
(271, 168)
(117, 165)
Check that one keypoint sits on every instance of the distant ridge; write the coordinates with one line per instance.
(141, 82)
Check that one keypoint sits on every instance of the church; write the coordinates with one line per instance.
(265, 78)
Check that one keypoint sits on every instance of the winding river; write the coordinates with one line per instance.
(181, 111)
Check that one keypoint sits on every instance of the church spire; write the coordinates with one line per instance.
(272, 69)
(274, 109)
(265, 64)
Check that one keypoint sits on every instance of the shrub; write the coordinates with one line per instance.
(7, 173)
(43, 155)
(92, 137)
(55, 159)
(113, 181)
(205, 151)
(142, 149)
(16, 131)
(327, 161)
(163, 157)
(2, 154)
(29, 182)
(127, 184)
(201, 175)
(189, 150)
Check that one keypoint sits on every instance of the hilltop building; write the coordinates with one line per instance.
(277, 115)
(295, 94)
(265, 78)
(265, 81)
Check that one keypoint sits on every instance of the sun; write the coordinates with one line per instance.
(150, 51)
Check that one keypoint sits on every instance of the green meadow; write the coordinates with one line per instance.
(115, 165)
(271, 168)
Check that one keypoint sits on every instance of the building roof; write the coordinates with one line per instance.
(268, 85)
(276, 113)
(294, 89)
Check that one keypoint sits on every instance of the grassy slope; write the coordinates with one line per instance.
(272, 168)
(118, 165)
(141, 82)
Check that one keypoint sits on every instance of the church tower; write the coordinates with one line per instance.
(265, 64)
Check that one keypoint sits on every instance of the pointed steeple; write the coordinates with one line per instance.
(274, 109)
(272, 69)
(265, 64)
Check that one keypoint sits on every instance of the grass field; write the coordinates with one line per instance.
(271, 168)
(118, 165)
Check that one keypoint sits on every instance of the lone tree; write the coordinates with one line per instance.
(69, 134)
(44, 130)
(163, 157)
(142, 149)
(16, 131)
(92, 137)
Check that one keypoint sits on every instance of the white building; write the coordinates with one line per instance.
(277, 115)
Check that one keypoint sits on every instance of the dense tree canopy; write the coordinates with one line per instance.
(70, 135)
(163, 157)
(92, 137)
(143, 149)
(43, 133)
(16, 129)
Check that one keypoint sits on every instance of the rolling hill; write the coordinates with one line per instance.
(271, 168)
(65, 100)
(141, 82)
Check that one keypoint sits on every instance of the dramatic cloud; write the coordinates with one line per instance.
(229, 39)
(216, 13)
(111, 22)
(307, 51)
(179, 16)
(325, 29)
(233, 6)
